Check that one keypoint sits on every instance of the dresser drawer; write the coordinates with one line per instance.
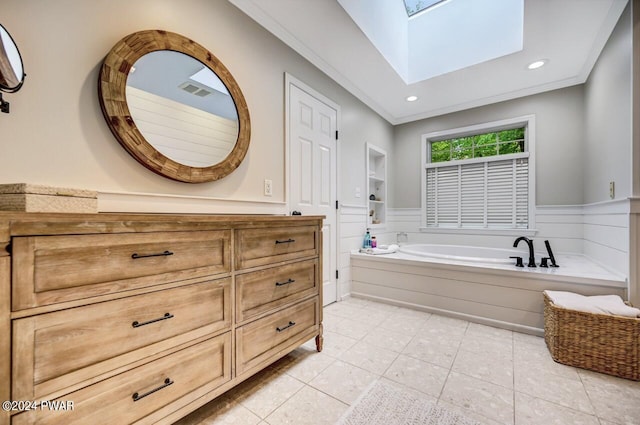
(51, 269)
(145, 390)
(259, 341)
(63, 349)
(261, 291)
(257, 247)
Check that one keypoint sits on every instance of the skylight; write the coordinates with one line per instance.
(454, 35)
(415, 6)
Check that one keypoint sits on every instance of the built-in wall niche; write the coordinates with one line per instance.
(376, 186)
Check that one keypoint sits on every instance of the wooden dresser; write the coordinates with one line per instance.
(144, 318)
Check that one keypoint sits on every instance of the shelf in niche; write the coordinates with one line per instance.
(376, 167)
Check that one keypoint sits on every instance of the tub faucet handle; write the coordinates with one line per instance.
(518, 261)
(543, 262)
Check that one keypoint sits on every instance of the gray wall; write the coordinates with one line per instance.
(559, 134)
(607, 96)
(56, 133)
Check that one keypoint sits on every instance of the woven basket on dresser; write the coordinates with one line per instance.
(599, 342)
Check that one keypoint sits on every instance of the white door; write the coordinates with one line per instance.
(312, 173)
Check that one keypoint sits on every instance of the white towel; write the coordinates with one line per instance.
(382, 249)
(600, 304)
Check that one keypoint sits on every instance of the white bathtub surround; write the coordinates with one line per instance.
(353, 225)
(600, 231)
(497, 294)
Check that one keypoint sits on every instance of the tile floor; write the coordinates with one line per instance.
(492, 375)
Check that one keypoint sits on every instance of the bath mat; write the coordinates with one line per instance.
(385, 404)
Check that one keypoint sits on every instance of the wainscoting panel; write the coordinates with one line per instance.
(353, 224)
(599, 231)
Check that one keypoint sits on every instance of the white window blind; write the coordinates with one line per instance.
(488, 193)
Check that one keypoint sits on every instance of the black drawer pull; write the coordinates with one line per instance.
(137, 396)
(285, 283)
(166, 316)
(287, 241)
(162, 254)
(286, 327)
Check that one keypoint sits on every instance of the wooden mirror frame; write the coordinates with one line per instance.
(113, 102)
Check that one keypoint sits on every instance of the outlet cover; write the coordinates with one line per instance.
(612, 190)
(268, 187)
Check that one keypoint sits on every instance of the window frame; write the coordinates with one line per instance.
(528, 122)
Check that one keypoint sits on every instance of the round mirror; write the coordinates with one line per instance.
(174, 107)
(11, 69)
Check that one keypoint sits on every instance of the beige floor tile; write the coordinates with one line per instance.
(417, 374)
(614, 399)
(413, 314)
(475, 329)
(386, 308)
(357, 301)
(330, 322)
(343, 381)
(536, 359)
(534, 411)
(487, 399)
(369, 357)
(371, 316)
(471, 414)
(270, 394)
(343, 309)
(438, 349)
(304, 364)
(222, 411)
(357, 350)
(334, 344)
(450, 322)
(402, 324)
(403, 387)
(252, 384)
(553, 388)
(308, 407)
(353, 328)
(501, 348)
(481, 366)
(522, 338)
(387, 339)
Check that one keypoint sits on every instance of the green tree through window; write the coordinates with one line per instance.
(481, 145)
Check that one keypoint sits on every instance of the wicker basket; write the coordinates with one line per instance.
(603, 343)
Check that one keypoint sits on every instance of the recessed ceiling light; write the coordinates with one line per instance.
(412, 98)
(537, 64)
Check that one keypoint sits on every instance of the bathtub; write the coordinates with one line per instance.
(471, 254)
(481, 285)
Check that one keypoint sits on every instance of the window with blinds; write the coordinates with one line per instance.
(478, 191)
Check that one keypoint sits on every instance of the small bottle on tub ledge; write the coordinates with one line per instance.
(367, 240)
